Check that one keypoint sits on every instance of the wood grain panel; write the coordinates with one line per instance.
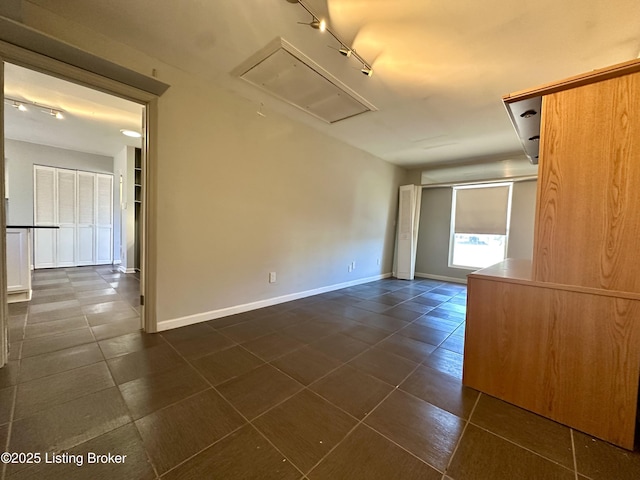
(594, 76)
(588, 212)
(569, 356)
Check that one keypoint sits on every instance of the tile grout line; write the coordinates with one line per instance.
(361, 422)
(346, 363)
(3, 470)
(5, 466)
(573, 451)
(304, 387)
(41, 411)
(248, 422)
(117, 386)
(343, 363)
(512, 442)
(455, 450)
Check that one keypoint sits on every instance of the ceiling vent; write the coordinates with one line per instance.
(286, 73)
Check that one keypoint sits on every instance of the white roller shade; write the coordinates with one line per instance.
(482, 210)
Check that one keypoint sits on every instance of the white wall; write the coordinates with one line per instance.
(123, 165)
(432, 255)
(240, 195)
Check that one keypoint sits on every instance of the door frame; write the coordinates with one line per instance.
(57, 68)
(4, 310)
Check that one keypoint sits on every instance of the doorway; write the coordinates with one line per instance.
(105, 295)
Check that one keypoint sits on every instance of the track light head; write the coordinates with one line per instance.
(316, 24)
(321, 25)
(20, 106)
(367, 71)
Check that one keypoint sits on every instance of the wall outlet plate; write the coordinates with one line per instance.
(272, 277)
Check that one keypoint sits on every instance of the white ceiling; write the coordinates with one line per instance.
(92, 120)
(440, 68)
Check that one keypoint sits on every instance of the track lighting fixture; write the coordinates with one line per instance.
(54, 113)
(344, 49)
(21, 105)
(317, 24)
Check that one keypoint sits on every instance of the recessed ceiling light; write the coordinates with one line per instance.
(131, 133)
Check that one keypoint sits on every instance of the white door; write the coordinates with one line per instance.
(408, 220)
(86, 218)
(66, 205)
(104, 218)
(45, 239)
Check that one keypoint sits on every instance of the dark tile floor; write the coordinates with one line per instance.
(360, 383)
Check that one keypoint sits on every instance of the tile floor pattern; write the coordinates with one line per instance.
(360, 383)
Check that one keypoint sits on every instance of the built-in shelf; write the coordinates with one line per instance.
(137, 203)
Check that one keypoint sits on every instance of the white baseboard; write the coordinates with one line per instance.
(15, 297)
(124, 269)
(224, 312)
(441, 278)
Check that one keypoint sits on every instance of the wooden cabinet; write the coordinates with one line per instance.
(560, 335)
(588, 215)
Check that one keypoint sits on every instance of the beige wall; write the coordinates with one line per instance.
(432, 255)
(240, 195)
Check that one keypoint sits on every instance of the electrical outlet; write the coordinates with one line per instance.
(272, 277)
(353, 265)
(378, 263)
(349, 268)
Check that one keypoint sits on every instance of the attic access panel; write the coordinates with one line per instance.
(286, 73)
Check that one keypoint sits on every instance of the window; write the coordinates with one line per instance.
(479, 225)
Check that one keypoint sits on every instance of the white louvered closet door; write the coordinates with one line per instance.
(45, 240)
(66, 183)
(85, 252)
(104, 219)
